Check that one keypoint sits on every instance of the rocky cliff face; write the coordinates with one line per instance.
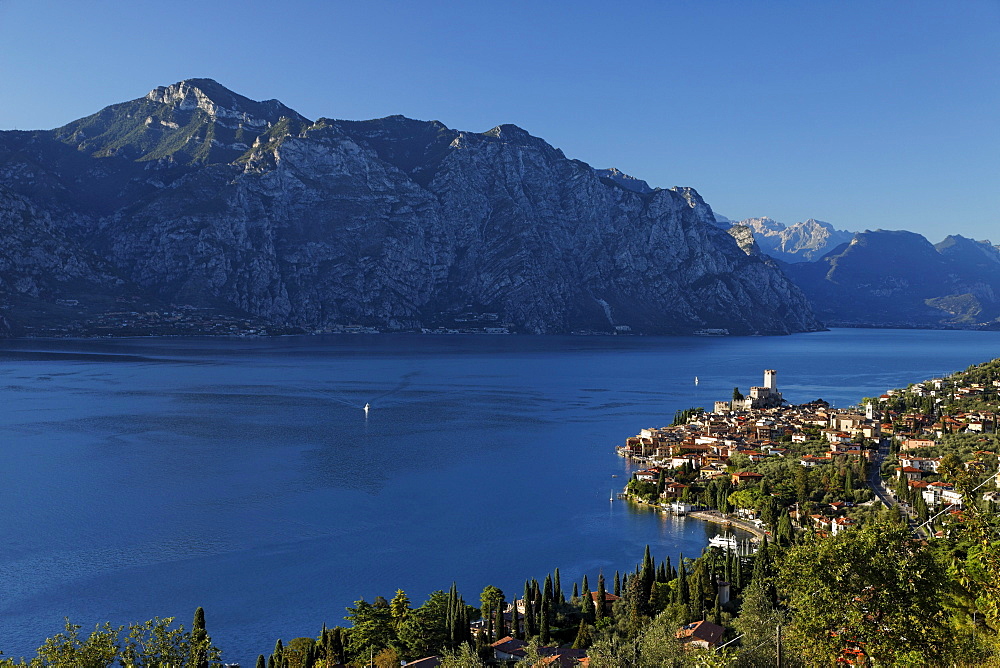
(196, 195)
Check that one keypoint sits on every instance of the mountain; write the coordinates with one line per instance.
(899, 279)
(800, 242)
(194, 199)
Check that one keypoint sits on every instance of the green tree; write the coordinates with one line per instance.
(200, 642)
(399, 607)
(463, 657)
(371, 629)
(600, 603)
(490, 598)
(425, 631)
(98, 650)
(876, 586)
(950, 467)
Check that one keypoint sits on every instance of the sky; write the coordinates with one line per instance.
(865, 114)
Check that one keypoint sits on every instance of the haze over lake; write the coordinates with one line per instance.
(147, 477)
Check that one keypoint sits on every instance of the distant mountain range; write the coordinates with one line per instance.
(194, 209)
(884, 278)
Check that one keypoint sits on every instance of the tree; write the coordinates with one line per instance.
(582, 640)
(463, 657)
(950, 467)
(737, 395)
(371, 628)
(200, 642)
(399, 607)
(874, 586)
(602, 594)
(530, 628)
(98, 650)
(155, 643)
(279, 653)
(387, 658)
(261, 663)
(425, 631)
(490, 598)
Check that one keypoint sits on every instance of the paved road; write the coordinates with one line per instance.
(878, 486)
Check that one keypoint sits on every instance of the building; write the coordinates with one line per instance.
(701, 634)
(766, 396)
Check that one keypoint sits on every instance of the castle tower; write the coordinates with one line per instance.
(769, 379)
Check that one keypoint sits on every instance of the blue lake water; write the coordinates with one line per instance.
(146, 477)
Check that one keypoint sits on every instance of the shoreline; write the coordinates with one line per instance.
(713, 516)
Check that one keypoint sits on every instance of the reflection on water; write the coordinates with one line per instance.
(147, 477)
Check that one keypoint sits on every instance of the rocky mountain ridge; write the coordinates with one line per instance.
(900, 279)
(800, 242)
(196, 196)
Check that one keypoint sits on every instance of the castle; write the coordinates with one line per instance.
(759, 397)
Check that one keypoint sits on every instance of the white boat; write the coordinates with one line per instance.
(696, 380)
(367, 406)
(724, 542)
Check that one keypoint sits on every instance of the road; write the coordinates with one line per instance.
(878, 486)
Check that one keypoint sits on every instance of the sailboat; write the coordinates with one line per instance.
(696, 380)
(367, 406)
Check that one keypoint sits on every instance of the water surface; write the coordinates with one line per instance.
(147, 477)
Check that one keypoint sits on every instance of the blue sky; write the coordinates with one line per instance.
(864, 114)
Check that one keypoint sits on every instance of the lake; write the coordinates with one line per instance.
(146, 477)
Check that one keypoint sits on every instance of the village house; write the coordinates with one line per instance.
(746, 476)
(701, 634)
(914, 443)
(841, 523)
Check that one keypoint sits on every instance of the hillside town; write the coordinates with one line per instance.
(758, 440)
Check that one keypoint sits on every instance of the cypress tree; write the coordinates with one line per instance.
(500, 626)
(647, 577)
(549, 592)
(717, 612)
(576, 592)
(530, 629)
(682, 584)
(279, 653)
(544, 631)
(661, 573)
(515, 622)
(537, 593)
(199, 640)
(582, 637)
(337, 645)
(261, 663)
(558, 593)
(618, 584)
(669, 569)
(586, 602)
(601, 596)
(270, 662)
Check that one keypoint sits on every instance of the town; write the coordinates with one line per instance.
(811, 461)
